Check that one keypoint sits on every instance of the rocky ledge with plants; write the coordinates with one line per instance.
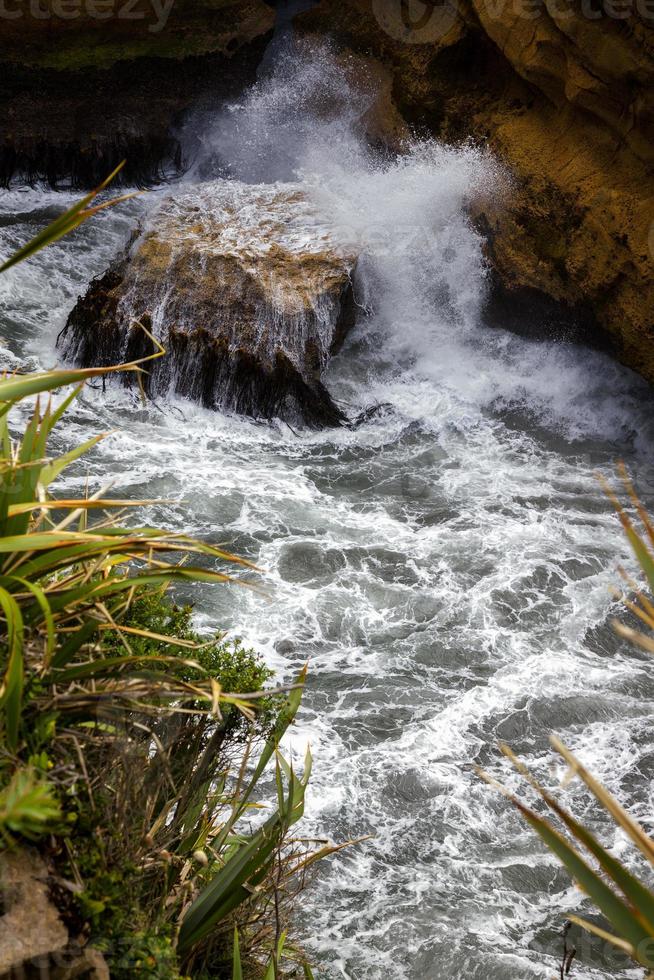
(133, 839)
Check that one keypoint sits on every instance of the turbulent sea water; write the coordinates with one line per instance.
(444, 566)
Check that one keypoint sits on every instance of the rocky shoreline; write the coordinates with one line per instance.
(564, 103)
(564, 99)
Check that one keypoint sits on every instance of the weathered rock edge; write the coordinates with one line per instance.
(34, 942)
(205, 370)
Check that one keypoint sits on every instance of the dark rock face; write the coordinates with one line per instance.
(80, 96)
(80, 34)
(243, 288)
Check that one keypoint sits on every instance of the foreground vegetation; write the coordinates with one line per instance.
(131, 748)
(625, 900)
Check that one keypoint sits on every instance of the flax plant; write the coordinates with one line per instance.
(114, 761)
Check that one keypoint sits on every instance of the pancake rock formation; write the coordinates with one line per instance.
(245, 289)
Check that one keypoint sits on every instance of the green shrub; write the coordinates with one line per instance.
(236, 668)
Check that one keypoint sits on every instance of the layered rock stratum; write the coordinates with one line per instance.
(246, 290)
(89, 83)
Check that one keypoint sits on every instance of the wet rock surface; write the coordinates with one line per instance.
(563, 97)
(244, 288)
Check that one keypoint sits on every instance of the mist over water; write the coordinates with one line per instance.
(303, 116)
(444, 566)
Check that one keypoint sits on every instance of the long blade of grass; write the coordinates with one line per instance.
(20, 386)
(273, 967)
(642, 552)
(82, 504)
(637, 502)
(237, 972)
(226, 890)
(11, 692)
(64, 224)
(641, 899)
(639, 639)
(618, 913)
(46, 611)
(284, 721)
(619, 814)
(606, 936)
(52, 470)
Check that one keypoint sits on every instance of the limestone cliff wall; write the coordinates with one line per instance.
(564, 95)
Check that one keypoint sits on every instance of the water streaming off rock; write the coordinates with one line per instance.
(444, 566)
(245, 288)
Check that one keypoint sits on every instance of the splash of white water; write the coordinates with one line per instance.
(422, 277)
(445, 566)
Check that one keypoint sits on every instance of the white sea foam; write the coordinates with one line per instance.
(444, 566)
